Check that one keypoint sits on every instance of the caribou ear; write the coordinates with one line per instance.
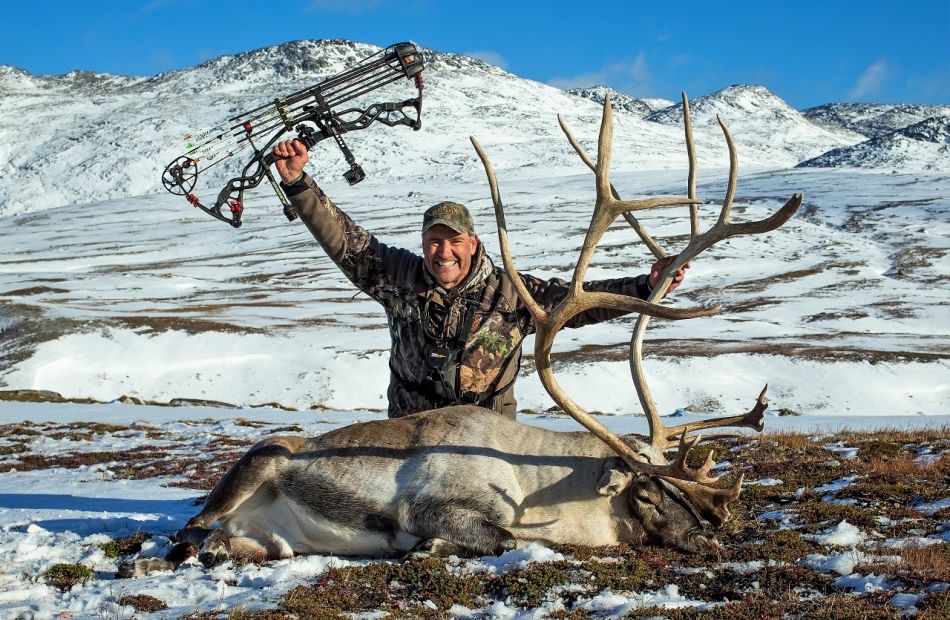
(615, 478)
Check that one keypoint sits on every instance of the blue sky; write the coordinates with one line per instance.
(807, 52)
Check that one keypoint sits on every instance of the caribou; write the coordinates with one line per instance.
(464, 480)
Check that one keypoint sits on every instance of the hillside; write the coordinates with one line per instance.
(81, 137)
(872, 120)
(921, 146)
(772, 130)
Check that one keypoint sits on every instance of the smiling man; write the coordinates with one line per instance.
(448, 243)
(455, 319)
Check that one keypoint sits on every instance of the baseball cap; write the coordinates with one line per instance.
(451, 214)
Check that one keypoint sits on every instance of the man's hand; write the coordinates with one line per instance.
(291, 156)
(657, 269)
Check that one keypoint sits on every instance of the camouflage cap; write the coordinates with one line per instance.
(451, 214)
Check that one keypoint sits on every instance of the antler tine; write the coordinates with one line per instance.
(711, 503)
(733, 173)
(534, 308)
(754, 419)
(641, 231)
(691, 154)
(607, 207)
(686, 444)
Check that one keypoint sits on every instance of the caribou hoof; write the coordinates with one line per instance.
(215, 549)
(211, 558)
(434, 547)
(141, 567)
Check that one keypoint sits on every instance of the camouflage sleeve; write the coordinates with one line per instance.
(549, 292)
(372, 266)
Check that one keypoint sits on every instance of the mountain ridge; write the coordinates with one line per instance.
(873, 120)
(642, 107)
(84, 136)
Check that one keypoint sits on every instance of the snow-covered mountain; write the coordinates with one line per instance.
(622, 101)
(86, 137)
(921, 146)
(873, 120)
(772, 130)
(66, 140)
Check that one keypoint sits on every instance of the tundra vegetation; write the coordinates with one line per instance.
(775, 560)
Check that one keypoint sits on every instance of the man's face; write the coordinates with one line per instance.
(448, 254)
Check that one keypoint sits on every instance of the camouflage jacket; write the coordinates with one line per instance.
(481, 321)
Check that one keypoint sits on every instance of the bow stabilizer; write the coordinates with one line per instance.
(320, 105)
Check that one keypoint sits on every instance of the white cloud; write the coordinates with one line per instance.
(638, 69)
(680, 60)
(492, 58)
(870, 81)
(631, 76)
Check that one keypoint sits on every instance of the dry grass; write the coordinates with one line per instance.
(902, 465)
(932, 560)
(786, 440)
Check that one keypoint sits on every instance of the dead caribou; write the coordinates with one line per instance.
(464, 480)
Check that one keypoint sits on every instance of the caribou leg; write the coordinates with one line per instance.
(141, 567)
(254, 470)
(469, 529)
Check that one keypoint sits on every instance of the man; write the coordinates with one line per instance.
(455, 319)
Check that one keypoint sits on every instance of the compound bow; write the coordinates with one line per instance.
(318, 105)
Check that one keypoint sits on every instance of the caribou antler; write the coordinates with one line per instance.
(711, 502)
(661, 435)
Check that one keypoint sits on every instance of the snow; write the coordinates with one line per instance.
(836, 485)
(109, 289)
(905, 601)
(842, 535)
(863, 583)
(514, 559)
(932, 507)
(619, 605)
(842, 562)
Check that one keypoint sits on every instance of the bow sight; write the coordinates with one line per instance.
(318, 105)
